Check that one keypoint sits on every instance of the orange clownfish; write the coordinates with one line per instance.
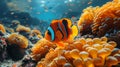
(61, 31)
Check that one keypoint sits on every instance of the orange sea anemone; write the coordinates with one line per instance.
(107, 18)
(97, 52)
(41, 48)
(86, 19)
(100, 20)
(18, 39)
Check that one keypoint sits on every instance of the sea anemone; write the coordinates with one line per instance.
(107, 18)
(100, 21)
(83, 52)
(40, 49)
(86, 19)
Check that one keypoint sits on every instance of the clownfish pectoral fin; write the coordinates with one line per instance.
(74, 31)
(60, 44)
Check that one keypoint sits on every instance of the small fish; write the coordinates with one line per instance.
(61, 31)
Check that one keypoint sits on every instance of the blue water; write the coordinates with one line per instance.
(39, 13)
(48, 10)
(61, 8)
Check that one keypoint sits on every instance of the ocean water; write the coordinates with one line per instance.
(42, 12)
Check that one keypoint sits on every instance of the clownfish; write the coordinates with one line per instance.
(61, 31)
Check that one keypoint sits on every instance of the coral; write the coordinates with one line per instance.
(35, 36)
(36, 32)
(34, 39)
(14, 23)
(17, 39)
(41, 48)
(15, 52)
(2, 28)
(3, 52)
(25, 31)
(10, 30)
(17, 45)
(21, 28)
(28, 62)
(96, 52)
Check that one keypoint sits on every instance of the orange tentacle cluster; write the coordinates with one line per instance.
(86, 19)
(107, 18)
(101, 19)
(41, 48)
(97, 52)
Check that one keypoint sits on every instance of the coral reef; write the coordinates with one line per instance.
(18, 39)
(17, 45)
(83, 52)
(28, 62)
(3, 52)
(36, 32)
(22, 28)
(15, 52)
(2, 29)
(35, 36)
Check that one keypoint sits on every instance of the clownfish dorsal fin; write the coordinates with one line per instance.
(67, 21)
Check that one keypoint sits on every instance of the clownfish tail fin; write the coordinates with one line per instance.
(74, 31)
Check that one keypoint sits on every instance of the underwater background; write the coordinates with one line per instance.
(37, 13)
(59, 33)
